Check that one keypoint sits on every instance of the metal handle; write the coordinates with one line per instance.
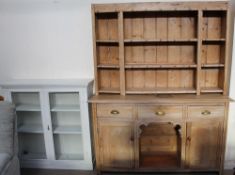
(160, 113)
(48, 128)
(206, 112)
(115, 112)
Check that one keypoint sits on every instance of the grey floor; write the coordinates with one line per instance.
(69, 172)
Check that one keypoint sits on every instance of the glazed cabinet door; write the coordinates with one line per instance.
(204, 144)
(116, 143)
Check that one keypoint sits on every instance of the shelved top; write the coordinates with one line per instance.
(35, 83)
(161, 48)
(153, 6)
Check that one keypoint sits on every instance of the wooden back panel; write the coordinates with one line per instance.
(167, 48)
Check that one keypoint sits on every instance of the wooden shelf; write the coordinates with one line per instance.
(159, 40)
(106, 66)
(28, 107)
(110, 90)
(107, 41)
(159, 48)
(67, 129)
(212, 65)
(30, 128)
(163, 161)
(160, 66)
(161, 91)
(65, 108)
(214, 40)
(211, 90)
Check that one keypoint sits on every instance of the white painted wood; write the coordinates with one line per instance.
(65, 108)
(69, 144)
(59, 121)
(69, 129)
(31, 145)
(70, 157)
(32, 128)
(33, 156)
(47, 125)
(28, 107)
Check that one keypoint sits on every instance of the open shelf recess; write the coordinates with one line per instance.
(180, 50)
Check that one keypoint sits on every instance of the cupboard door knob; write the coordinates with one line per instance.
(206, 112)
(132, 138)
(114, 112)
(160, 113)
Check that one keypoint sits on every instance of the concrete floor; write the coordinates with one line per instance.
(70, 172)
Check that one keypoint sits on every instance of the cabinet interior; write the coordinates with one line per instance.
(29, 120)
(160, 25)
(160, 81)
(60, 101)
(66, 124)
(68, 147)
(26, 99)
(160, 146)
(32, 146)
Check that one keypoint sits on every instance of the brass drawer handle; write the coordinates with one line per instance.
(114, 112)
(160, 113)
(206, 112)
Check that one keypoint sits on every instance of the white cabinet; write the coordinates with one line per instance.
(53, 122)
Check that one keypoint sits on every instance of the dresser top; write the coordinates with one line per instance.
(150, 6)
(137, 99)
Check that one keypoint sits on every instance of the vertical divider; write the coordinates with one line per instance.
(94, 51)
(47, 125)
(199, 47)
(121, 53)
(227, 60)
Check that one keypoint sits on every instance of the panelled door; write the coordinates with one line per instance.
(204, 144)
(116, 143)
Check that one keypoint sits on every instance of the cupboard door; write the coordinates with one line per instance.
(204, 144)
(116, 144)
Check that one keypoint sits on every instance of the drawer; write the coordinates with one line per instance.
(160, 111)
(205, 111)
(114, 110)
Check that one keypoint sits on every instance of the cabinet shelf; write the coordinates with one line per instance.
(30, 128)
(33, 156)
(67, 129)
(69, 157)
(107, 41)
(211, 90)
(212, 65)
(160, 66)
(160, 40)
(213, 40)
(161, 90)
(110, 90)
(65, 108)
(28, 107)
(106, 66)
(153, 160)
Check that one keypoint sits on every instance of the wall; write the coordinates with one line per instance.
(53, 39)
